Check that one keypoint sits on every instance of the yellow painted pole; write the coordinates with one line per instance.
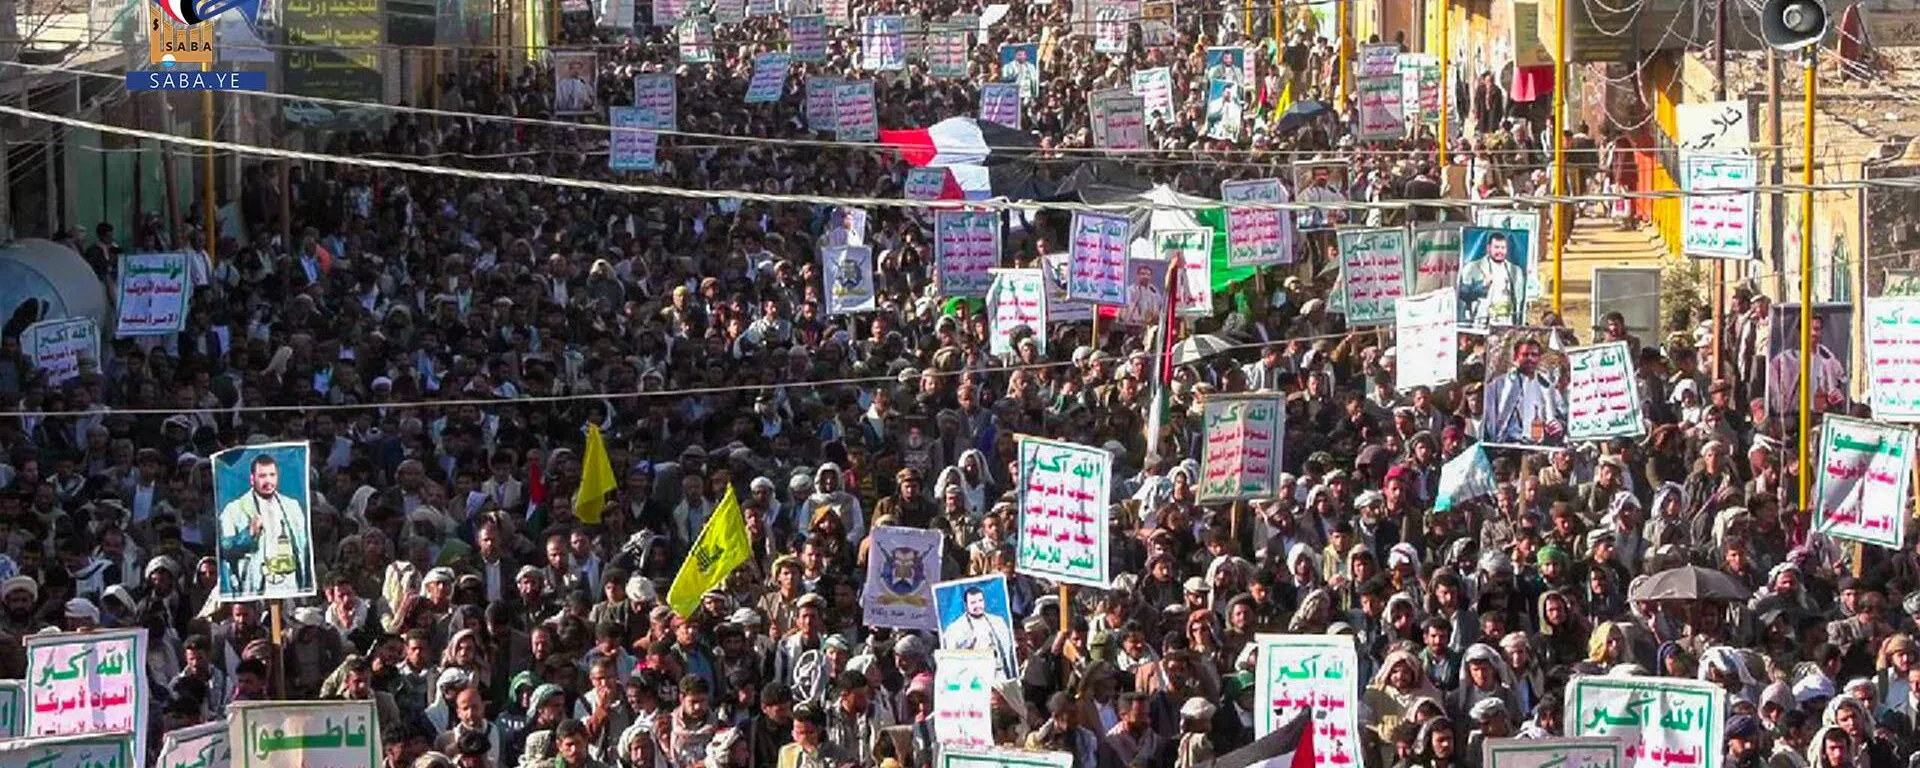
(1806, 285)
(1279, 34)
(1346, 49)
(1446, 90)
(1559, 148)
(213, 220)
(1246, 22)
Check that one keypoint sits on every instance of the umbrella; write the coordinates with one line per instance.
(1689, 582)
(1199, 347)
(1299, 114)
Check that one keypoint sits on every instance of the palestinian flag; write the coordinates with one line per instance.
(1289, 746)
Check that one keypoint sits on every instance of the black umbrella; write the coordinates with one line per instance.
(1300, 114)
(1689, 582)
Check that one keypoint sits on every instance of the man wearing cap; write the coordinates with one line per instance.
(263, 538)
(908, 506)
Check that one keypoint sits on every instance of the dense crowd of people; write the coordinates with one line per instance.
(443, 345)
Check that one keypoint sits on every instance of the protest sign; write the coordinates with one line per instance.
(1382, 114)
(848, 270)
(1376, 60)
(1718, 226)
(1420, 86)
(657, 97)
(1000, 104)
(820, 112)
(1063, 511)
(91, 751)
(1527, 221)
(1112, 20)
(1603, 394)
(1893, 358)
(89, 683)
(1257, 237)
(925, 183)
(1427, 340)
(695, 36)
(1099, 258)
(202, 746)
(13, 708)
(807, 38)
(769, 77)
(576, 86)
(1434, 258)
(1661, 721)
(1861, 483)
(839, 13)
(963, 697)
(276, 734)
(1240, 458)
(1316, 672)
(883, 43)
(902, 564)
(947, 50)
(1155, 89)
(1524, 404)
(630, 147)
(1003, 758)
(152, 294)
(1015, 298)
(729, 11)
(1589, 752)
(1119, 119)
(1157, 24)
(854, 116)
(1191, 252)
(1464, 478)
(1371, 265)
(756, 8)
(1493, 277)
(966, 250)
(667, 13)
(57, 347)
(915, 31)
(265, 546)
(1061, 308)
(975, 615)
(1901, 282)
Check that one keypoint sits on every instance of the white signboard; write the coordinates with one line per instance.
(1718, 226)
(1861, 484)
(1382, 115)
(1000, 104)
(855, 118)
(1371, 263)
(1661, 721)
(1119, 120)
(902, 564)
(1426, 340)
(631, 147)
(820, 112)
(1063, 511)
(1377, 60)
(963, 698)
(1191, 252)
(1240, 458)
(1433, 261)
(1002, 758)
(94, 751)
(1893, 357)
(807, 38)
(1257, 237)
(152, 294)
(1016, 298)
(1589, 752)
(58, 346)
(302, 734)
(769, 77)
(1603, 395)
(1315, 672)
(1155, 89)
(1099, 258)
(657, 97)
(966, 248)
(202, 746)
(1725, 127)
(88, 683)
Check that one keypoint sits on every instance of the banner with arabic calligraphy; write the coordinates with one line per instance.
(1119, 119)
(13, 708)
(1901, 282)
(1099, 257)
(855, 118)
(88, 683)
(1191, 250)
(769, 77)
(1016, 298)
(1371, 265)
(1661, 721)
(1382, 115)
(93, 751)
(1589, 752)
(1893, 357)
(1257, 237)
(901, 567)
(1241, 456)
(807, 38)
(1003, 758)
(57, 347)
(1862, 480)
(631, 148)
(202, 746)
(1427, 339)
(1000, 104)
(966, 250)
(963, 698)
(1718, 226)
(335, 734)
(819, 109)
(657, 97)
(1318, 672)
(1063, 511)
(152, 294)
(1434, 262)
(1603, 395)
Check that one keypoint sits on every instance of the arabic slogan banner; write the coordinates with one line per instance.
(202, 746)
(657, 97)
(854, 115)
(57, 347)
(335, 734)
(1317, 672)
(848, 270)
(695, 34)
(1099, 258)
(1003, 758)
(1861, 485)
(963, 697)
(13, 708)
(1718, 226)
(631, 148)
(1901, 282)
(769, 77)
(899, 589)
(1589, 752)
(1661, 721)
(1382, 115)
(1257, 237)
(1190, 250)
(1435, 262)
(807, 38)
(947, 50)
(1371, 263)
(1603, 396)
(1000, 104)
(1119, 119)
(966, 249)
(1063, 511)
(1893, 357)
(1377, 60)
(820, 114)
(1241, 456)
(1155, 89)
(99, 751)
(88, 683)
(152, 294)
(1427, 339)
(1015, 298)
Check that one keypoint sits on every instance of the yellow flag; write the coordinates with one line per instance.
(722, 546)
(596, 479)
(1286, 100)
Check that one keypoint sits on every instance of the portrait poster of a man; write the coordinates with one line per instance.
(1525, 401)
(974, 616)
(265, 545)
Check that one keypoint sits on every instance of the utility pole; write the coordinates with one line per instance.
(1719, 265)
(1776, 174)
